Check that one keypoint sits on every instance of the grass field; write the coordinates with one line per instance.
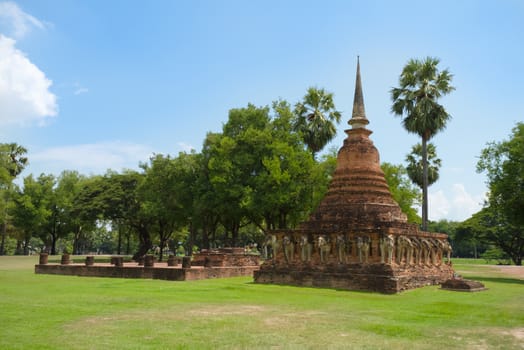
(63, 312)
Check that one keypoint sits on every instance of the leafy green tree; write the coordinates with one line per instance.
(402, 190)
(234, 161)
(480, 231)
(166, 194)
(316, 119)
(421, 84)
(28, 214)
(259, 171)
(415, 167)
(188, 185)
(68, 186)
(12, 163)
(37, 211)
(115, 197)
(321, 176)
(206, 213)
(282, 189)
(503, 163)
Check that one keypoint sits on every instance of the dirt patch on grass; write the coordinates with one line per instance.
(517, 333)
(510, 270)
(487, 338)
(227, 310)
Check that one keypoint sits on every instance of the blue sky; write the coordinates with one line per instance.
(92, 85)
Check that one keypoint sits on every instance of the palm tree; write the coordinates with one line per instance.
(415, 167)
(421, 84)
(315, 119)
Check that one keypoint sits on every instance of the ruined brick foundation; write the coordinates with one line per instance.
(382, 278)
(217, 263)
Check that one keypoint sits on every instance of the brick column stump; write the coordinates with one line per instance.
(43, 258)
(186, 262)
(90, 260)
(118, 261)
(66, 259)
(149, 261)
(171, 261)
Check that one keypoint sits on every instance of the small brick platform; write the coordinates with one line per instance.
(222, 264)
(156, 272)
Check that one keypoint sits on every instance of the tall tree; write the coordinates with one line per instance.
(402, 190)
(316, 119)
(37, 206)
(68, 186)
(165, 195)
(415, 167)
(188, 174)
(421, 84)
(115, 197)
(283, 187)
(234, 160)
(30, 210)
(503, 163)
(12, 163)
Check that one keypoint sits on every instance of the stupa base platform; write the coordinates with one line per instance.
(159, 271)
(462, 285)
(382, 278)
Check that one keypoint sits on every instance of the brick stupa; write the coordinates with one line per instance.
(358, 238)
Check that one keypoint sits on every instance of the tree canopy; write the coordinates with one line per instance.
(316, 116)
(415, 166)
(503, 219)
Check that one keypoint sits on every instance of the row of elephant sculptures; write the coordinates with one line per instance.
(400, 249)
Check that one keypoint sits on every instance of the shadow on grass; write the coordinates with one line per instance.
(496, 279)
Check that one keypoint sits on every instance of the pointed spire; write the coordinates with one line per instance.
(358, 118)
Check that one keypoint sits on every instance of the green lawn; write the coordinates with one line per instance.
(63, 312)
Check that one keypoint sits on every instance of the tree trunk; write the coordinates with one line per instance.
(145, 243)
(119, 245)
(77, 241)
(4, 231)
(53, 244)
(128, 242)
(205, 237)
(234, 234)
(191, 238)
(19, 249)
(161, 252)
(282, 220)
(27, 240)
(4, 234)
(424, 184)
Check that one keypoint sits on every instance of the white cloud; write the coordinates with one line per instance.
(24, 89)
(88, 159)
(465, 204)
(439, 206)
(456, 204)
(16, 22)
